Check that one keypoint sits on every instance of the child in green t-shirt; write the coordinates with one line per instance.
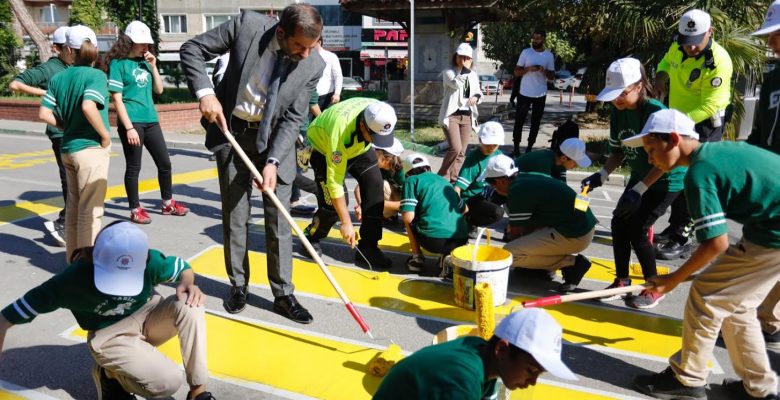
(110, 291)
(132, 76)
(432, 213)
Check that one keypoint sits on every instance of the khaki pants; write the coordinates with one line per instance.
(458, 134)
(724, 298)
(545, 248)
(87, 175)
(127, 349)
(769, 311)
(391, 194)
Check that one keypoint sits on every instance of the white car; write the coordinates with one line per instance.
(564, 79)
(488, 84)
(351, 84)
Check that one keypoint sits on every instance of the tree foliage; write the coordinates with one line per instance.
(87, 12)
(9, 42)
(122, 12)
(504, 41)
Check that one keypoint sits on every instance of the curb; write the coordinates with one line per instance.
(171, 144)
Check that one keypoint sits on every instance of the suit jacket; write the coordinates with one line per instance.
(246, 37)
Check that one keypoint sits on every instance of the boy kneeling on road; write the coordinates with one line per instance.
(432, 212)
(109, 290)
(545, 230)
(724, 179)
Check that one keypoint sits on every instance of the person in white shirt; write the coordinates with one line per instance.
(329, 86)
(536, 66)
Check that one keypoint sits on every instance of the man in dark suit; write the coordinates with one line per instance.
(262, 99)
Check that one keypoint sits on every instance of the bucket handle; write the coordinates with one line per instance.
(480, 232)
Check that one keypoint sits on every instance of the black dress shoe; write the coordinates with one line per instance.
(672, 250)
(236, 299)
(288, 306)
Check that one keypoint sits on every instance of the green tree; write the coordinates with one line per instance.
(122, 12)
(9, 42)
(503, 41)
(87, 12)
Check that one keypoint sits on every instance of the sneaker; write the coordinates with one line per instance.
(673, 250)
(416, 263)
(445, 268)
(57, 231)
(617, 283)
(139, 216)
(663, 237)
(175, 208)
(302, 208)
(107, 388)
(573, 275)
(735, 388)
(646, 299)
(772, 341)
(372, 257)
(664, 385)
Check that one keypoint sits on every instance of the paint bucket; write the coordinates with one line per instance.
(472, 265)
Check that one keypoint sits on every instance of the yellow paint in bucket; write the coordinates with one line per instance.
(475, 264)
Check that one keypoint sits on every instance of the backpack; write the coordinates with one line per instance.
(566, 130)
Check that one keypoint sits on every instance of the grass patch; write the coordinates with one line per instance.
(371, 94)
(426, 133)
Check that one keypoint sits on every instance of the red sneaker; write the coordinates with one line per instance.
(646, 299)
(139, 216)
(175, 208)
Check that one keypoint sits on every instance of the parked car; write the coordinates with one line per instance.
(564, 79)
(360, 80)
(351, 84)
(488, 84)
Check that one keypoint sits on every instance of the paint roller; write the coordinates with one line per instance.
(279, 206)
(486, 319)
(382, 362)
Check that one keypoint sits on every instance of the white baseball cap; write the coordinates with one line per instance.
(415, 160)
(119, 257)
(537, 333)
(380, 119)
(499, 166)
(139, 33)
(59, 35)
(78, 34)
(693, 25)
(396, 149)
(620, 75)
(575, 149)
(771, 20)
(464, 49)
(491, 132)
(664, 121)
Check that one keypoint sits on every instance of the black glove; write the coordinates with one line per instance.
(628, 204)
(465, 71)
(592, 181)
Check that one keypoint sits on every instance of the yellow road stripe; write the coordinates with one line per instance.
(583, 324)
(600, 270)
(4, 395)
(324, 368)
(26, 209)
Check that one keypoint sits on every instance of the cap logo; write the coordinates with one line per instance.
(387, 126)
(336, 157)
(770, 13)
(716, 81)
(691, 24)
(123, 262)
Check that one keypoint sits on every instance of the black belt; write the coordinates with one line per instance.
(239, 125)
(462, 112)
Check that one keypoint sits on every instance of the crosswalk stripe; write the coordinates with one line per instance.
(29, 209)
(332, 368)
(583, 324)
(600, 270)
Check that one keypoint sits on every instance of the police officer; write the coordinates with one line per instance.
(698, 72)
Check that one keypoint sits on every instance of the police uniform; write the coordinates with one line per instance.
(338, 148)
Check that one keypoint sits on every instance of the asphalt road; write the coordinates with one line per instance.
(46, 359)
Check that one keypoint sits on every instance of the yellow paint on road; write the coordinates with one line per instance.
(635, 332)
(5, 395)
(600, 270)
(29, 159)
(307, 364)
(27, 209)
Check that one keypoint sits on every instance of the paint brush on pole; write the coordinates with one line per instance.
(279, 206)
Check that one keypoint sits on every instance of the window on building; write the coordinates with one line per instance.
(381, 22)
(48, 15)
(175, 23)
(213, 21)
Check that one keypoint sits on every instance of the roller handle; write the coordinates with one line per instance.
(358, 318)
(558, 299)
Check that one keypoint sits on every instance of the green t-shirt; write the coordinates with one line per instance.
(736, 181)
(437, 208)
(67, 90)
(74, 289)
(39, 76)
(133, 77)
(335, 135)
(396, 180)
(540, 201)
(541, 161)
(469, 180)
(626, 123)
(448, 371)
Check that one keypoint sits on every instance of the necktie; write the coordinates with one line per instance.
(264, 131)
